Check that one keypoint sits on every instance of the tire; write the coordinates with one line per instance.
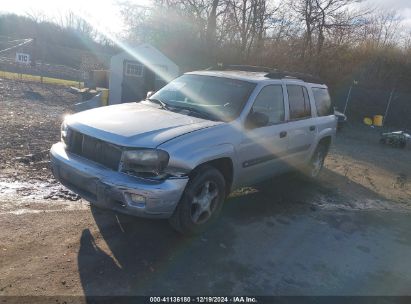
(201, 202)
(316, 162)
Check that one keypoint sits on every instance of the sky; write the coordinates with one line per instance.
(402, 6)
(106, 12)
(103, 12)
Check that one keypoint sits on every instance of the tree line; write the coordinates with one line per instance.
(339, 40)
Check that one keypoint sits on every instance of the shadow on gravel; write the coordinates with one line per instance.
(146, 257)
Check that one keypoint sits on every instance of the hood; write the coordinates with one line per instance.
(135, 124)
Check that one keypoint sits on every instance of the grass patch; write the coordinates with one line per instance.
(35, 78)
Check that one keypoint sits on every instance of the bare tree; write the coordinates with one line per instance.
(37, 16)
(322, 19)
(383, 28)
(248, 22)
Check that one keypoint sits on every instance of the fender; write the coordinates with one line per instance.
(193, 149)
(327, 132)
(195, 157)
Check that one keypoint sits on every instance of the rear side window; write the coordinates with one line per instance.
(298, 101)
(322, 101)
(270, 101)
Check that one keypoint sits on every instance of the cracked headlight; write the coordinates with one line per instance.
(145, 162)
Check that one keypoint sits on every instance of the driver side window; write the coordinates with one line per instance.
(270, 101)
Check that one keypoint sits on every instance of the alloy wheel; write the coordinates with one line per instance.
(204, 202)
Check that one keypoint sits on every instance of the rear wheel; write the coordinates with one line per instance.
(201, 202)
(317, 161)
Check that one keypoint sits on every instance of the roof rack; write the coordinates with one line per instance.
(237, 67)
(294, 75)
(271, 73)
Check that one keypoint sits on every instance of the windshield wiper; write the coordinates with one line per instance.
(205, 115)
(158, 101)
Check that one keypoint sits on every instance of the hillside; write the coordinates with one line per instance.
(70, 43)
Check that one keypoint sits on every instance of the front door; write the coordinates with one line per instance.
(262, 149)
(132, 87)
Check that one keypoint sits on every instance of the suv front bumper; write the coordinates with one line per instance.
(110, 189)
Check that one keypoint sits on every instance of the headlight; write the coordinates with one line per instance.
(65, 133)
(145, 162)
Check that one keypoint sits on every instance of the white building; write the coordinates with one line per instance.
(135, 72)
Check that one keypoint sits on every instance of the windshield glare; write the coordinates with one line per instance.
(221, 98)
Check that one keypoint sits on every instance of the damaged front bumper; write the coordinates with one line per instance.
(110, 189)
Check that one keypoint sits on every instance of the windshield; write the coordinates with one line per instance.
(217, 97)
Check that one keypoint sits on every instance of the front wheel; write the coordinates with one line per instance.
(201, 202)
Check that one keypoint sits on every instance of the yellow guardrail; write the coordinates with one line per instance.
(41, 79)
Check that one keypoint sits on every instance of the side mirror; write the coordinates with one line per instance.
(149, 94)
(256, 120)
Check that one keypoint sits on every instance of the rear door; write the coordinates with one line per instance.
(301, 126)
(326, 119)
(262, 148)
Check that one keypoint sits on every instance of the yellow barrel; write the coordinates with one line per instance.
(368, 121)
(104, 96)
(378, 120)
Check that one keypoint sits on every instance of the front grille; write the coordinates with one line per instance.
(94, 149)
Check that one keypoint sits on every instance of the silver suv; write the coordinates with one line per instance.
(180, 153)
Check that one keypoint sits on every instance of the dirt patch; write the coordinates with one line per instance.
(30, 118)
(359, 157)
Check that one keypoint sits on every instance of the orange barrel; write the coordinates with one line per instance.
(378, 120)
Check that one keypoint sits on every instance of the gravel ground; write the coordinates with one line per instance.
(347, 234)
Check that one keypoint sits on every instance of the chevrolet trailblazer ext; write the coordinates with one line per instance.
(179, 153)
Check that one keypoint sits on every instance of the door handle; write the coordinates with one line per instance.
(312, 128)
(283, 134)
